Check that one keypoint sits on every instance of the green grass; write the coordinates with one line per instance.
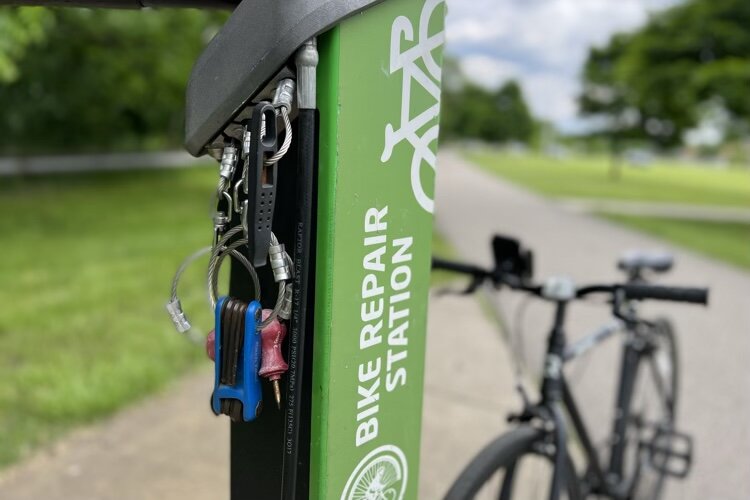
(727, 241)
(588, 177)
(86, 265)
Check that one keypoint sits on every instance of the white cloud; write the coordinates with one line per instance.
(489, 72)
(548, 93)
(542, 43)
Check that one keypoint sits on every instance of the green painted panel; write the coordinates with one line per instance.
(379, 88)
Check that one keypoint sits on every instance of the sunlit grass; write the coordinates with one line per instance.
(727, 241)
(588, 177)
(86, 265)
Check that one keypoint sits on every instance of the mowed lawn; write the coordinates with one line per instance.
(85, 272)
(728, 241)
(588, 177)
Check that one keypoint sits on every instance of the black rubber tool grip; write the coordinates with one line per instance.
(673, 293)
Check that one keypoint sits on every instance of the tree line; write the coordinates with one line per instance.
(82, 79)
(122, 76)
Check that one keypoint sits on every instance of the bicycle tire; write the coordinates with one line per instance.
(664, 326)
(501, 454)
(647, 482)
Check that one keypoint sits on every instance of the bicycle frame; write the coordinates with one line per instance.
(600, 478)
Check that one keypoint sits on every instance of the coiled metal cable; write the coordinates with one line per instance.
(223, 249)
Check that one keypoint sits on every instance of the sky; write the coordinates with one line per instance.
(541, 43)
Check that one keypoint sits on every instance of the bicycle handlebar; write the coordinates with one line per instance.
(630, 291)
(672, 293)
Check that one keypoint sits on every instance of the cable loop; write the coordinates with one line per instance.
(287, 137)
(223, 249)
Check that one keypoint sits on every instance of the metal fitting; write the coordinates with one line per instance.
(285, 312)
(246, 142)
(228, 162)
(284, 95)
(181, 323)
(279, 265)
(307, 62)
(220, 221)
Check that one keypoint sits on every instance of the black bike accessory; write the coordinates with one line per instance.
(673, 293)
(256, 42)
(511, 258)
(261, 183)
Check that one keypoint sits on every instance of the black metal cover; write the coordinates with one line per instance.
(256, 41)
(128, 4)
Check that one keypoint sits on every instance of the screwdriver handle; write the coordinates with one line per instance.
(272, 336)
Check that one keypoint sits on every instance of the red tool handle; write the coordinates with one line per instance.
(272, 336)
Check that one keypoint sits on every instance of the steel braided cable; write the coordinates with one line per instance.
(217, 257)
(287, 137)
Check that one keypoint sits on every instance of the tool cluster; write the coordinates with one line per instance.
(246, 343)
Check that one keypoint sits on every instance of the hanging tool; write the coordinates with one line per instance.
(260, 183)
(273, 365)
(237, 390)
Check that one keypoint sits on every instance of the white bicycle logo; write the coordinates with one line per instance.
(380, 475)
(406, 61)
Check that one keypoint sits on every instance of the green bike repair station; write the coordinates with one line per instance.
(323, 116)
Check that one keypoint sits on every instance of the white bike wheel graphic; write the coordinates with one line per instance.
(381, 475)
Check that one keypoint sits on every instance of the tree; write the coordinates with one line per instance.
(471, 111)
(102, 79)
(510, 104)
(21, 28)
(665, 72)
(605, 97)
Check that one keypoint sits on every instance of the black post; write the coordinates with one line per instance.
(257, 448)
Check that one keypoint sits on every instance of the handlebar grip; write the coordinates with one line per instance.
(673, 293)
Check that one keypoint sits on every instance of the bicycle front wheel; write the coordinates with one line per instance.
(512, 466)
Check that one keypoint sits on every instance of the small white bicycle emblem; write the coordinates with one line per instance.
(380, 475)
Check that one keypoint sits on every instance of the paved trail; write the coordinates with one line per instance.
(171, 447)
